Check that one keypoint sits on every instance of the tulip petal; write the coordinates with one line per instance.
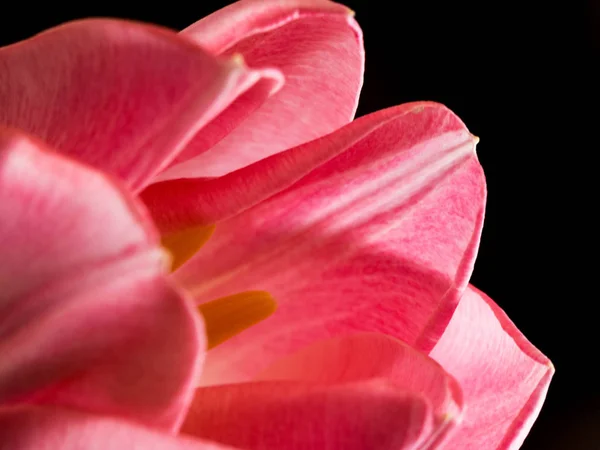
(55, 429)
(292, 415)
(318, 47)
(365, 356)
(122, 96)
(381, 237)
(87, 317)
(503, 376)
(230, 25)
(58, 216)
(188, 203)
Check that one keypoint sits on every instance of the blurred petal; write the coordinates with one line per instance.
(318, 47)
(381, 237)
(52, 429)
(87, 317)
(122, 96)
(290, 415)
(503, 376)
(367, 355)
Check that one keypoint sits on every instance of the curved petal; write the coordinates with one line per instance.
(58, 216)
(54, 429)
(317, 45)
(230, 25)
(187, 203)
(122, 96)
(503, 376)
(87, 317)
(381, 237)
(365, 356)
(291, 415)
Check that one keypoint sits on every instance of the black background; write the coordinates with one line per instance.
(524, 78)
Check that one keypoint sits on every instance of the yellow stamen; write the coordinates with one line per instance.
(227, 316)
(182, 245)
(238, 59)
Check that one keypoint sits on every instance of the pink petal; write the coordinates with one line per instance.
(186, 203)
(87, 317)
(381, 237)
(226, 27)
(58, 216)
(55, 429)
(504, 377)
(365, 356)
(317, 45)
(122, 96)
(291, 415)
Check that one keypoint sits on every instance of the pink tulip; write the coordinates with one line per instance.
(117, 136)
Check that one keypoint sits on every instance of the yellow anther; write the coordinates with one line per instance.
(184, 244)
(238, 59)
(227, 316)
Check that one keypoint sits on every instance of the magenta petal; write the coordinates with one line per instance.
(380, 237)
(294, 415)
(503, 376)
(122, 96)
(318, 47)
(56, 429)
(88, 319)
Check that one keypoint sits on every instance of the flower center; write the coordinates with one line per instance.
(224, 317)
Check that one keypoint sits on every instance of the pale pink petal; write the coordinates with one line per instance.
(381, 237)
(57, 216)
(317, 45)
(56, 429)
(293, 415)
(365, 356)
(122, 96)
(503, 376)
(87, 317)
